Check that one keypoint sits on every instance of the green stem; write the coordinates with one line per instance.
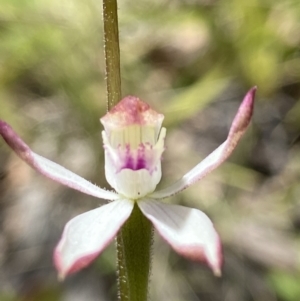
(112, 52)
(134, 257)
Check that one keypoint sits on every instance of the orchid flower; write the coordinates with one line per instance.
(133, 140)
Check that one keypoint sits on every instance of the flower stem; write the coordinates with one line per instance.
(134, 257)
(112, 52)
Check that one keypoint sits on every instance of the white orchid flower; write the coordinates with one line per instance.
(134, 142)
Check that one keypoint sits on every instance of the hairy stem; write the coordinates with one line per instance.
(112, 52)
(134, 257)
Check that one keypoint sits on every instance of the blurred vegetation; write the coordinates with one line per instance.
(193, 61)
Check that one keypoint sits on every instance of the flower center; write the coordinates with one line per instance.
(133, 142)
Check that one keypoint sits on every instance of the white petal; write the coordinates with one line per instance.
(68, 178)
(88, 234)
(188, 231)
(49, 168)
(218, 156)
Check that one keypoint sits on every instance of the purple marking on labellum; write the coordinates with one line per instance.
(134, 160)
(141, 163)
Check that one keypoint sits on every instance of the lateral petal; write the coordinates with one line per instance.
(188, 231)
(219, 155)
(88, 234)
(50, 169)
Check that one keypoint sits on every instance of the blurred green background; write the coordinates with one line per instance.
(193, 61)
